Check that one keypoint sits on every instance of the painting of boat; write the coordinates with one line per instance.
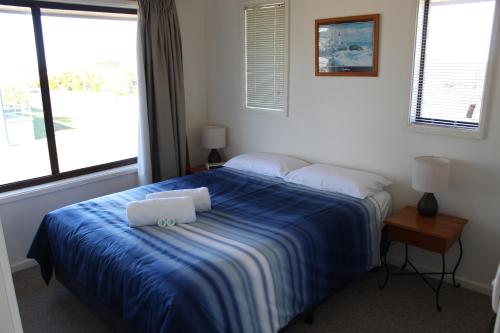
(347, 46)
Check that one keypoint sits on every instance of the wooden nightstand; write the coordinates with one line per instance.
(197, 169)
(436, 234)
(205, 167)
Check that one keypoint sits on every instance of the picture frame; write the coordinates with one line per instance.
(347, 46)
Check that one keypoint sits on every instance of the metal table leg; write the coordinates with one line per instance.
(415, 271)
(382, 286)
(386, 266)
(406, 257)
(440, 282)
(455, 283)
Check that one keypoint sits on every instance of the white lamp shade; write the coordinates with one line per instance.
(213, 137)
(430, 174)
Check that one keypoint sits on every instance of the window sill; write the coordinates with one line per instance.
(65, 184)
(445, 131)
(276, 113)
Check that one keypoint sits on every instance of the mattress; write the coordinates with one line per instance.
(266, 252)
(384, 202)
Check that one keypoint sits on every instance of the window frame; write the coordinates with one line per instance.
(244, 108)
(35, 7)
(479, 132)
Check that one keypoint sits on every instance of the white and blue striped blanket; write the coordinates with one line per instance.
(267, 251)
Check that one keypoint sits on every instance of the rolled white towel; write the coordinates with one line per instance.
(201, 197)
(148, 212)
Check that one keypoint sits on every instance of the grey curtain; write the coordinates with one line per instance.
(163, 93)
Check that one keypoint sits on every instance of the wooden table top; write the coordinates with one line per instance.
(441, 226)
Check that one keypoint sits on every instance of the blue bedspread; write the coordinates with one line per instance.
(267, 251)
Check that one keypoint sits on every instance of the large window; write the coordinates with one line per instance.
(452, 51)
(266, 57)
(68, 91)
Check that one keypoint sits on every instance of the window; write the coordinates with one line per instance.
(23, 155)
(68, 91)
(266, 58)
(451, 60)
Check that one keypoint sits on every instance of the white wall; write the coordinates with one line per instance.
(360, 122)
(22, 217)
(192, 22)
(10, 321)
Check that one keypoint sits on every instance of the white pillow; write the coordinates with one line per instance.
(266, 164)
(358, 184)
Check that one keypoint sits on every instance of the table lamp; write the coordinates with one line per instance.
(430, 175)
(213, 138)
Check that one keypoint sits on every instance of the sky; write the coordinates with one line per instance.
(460, 32)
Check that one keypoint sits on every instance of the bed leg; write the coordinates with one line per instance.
(309, 317)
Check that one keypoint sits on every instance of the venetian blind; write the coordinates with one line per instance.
(265, 56)
(452, 49)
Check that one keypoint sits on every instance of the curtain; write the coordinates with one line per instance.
(162, 125)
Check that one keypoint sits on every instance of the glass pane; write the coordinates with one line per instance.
(23, 145)
(91, 63)
(458, 45)
(265, 57)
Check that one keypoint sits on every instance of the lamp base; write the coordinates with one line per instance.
(214, 156)
(428, 205)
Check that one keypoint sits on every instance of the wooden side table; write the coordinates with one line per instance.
(197, 169)
(436, 234)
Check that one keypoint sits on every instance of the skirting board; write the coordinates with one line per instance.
(466, 283)
(23, 264)
(480, 288)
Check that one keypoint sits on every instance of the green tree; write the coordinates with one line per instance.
(14, 96)
(71, 81)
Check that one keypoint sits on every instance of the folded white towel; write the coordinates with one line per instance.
(148, 212)
(201, 197)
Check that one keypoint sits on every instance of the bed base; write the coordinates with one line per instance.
(309, 316)
(116, 324)
(106, 316)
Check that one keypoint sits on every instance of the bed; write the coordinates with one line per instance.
(267, 251)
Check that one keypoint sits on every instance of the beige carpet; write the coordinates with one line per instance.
(406, 305)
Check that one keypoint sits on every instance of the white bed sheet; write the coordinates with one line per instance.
(384, 201)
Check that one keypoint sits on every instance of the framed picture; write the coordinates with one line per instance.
(347, 46)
